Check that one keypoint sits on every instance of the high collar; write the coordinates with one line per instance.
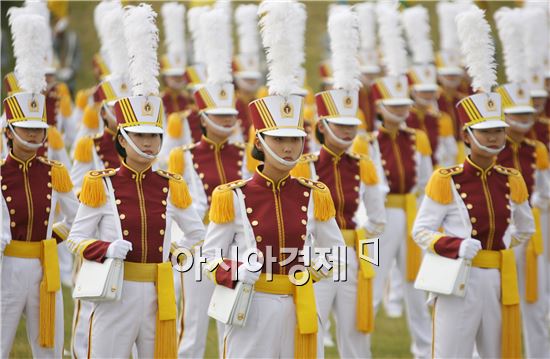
(12, 159)
(213, 145)
(266, 182)
(126, 171)
(327, 152)
(471, 168)
(107, 132)
(392, 134)
(513, 142)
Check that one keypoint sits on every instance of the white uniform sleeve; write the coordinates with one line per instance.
(85, 227)
(189, 222)
(428, 220)
(373, 199)
(522, 227)
(5, 236)
(78, 171)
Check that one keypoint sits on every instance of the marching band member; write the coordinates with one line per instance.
(483, 211)
(530, 158)
(211, 162)
(132, 209)
(425, 114)
(32, 188)
(282, 319)
(351, 301)
(406, 160)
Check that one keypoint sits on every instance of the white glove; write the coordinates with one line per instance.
(469, 248)
(246, 276)
(118, 249)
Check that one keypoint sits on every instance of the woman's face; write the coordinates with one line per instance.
(148, 143)
(288, 148)
(343, 132)
(493, 138)
(31, 135)
(226, 121)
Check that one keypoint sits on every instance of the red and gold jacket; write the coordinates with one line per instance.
(174, 101)
(447, 103)
(367, 107)
(541, 131)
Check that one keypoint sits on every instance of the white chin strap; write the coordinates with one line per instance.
(449, 83)
(425, 103)
(391, 116)
(282, 161)
(492, 151)
(32, 146)
(335, 138)
(135, 148)
(110, 114)
(225, 130)
(520, 126)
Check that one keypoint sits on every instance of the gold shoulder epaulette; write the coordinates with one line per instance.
(518, 188)
(240, 145)
(308, 157)
(169, 175)
(530, 142)
(189, 146)
(49, 162)
(450, 171)
(179, 192)
(221, 208)
(93, 190)
(439, 186)
(507, 170)
(323, 206)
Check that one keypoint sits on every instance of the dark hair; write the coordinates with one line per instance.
(464, 137)
(256, 153)
(318, 135)
(120, 150)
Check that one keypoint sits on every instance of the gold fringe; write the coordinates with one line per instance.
(179, 193)
(541, 152)
(55, 140)
(360, 145)
(531, 273)
(309, 114)
(301, 169)
(61, 181)
(81, 99)
(221, 208)
(174, 128)
(47, 315)
(422, 143)
(65, 106)
(93, 191)
(90, 118)
(518, 189)
(439, 188)
(445, 125)
(63, 90)
(165, 339)
(511, 332)
(305, 345)
(368, 171)
(364, 307)
(83, 150)
(323, 209)
(176, 161)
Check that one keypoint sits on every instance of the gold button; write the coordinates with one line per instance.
(133, 176)
(163, 216)
(12, 211)
(357, 177)
(125, 232)
(463, 195)
(4, 187)
(357, 200)
(474, 232)
(306, 194)
(48, 196)
(507, 184)
(45, 223)
(97, 148)
(122, 216)
(507, 196)
(387, 173)
(49, 174)
(268, 184)
(161, 232)
(239, 173)
(163, 202)
(160, 249)
(165, 189)
(249, 210)
(254, 223)
(8, 199)
(206, 186)
(507, 206)
(47, 209)
(473, 219)
(457, 185)
(304, 222)
(259, 239)
(356, 189)
(209, 198)
(101, 156)
(304, 209)
(241, 153)
(12, 224)
(201, 175)
(478, 173)
(239, 163)
(469, 206)
(118, 201)
(196, 166)
(507, 220)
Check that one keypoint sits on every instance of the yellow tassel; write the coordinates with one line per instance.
(262, 92)
(541, 152)
(439, 188)
(422, 143)
(165, 339)
(305, 345)
(221, 208)
(301, 169)
(364, 307)
(461, 154)
(81, 99)
(179, 193)
(90, 118)
(63, 90)
(518, 189)
(55, 140)
(309, 114)
(368, 171)
(361, 116)
(174, 127)
(93, 191)
(49, 285)
(83, 150)
(323, 209)
(61, 181)
(65, 106)
(511, 332)
(531, 273)
(445, 125)
(176, 161)
(360, 145)
(414, 253)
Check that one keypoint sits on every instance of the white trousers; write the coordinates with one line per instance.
(393, 247)
(533, 315)
(475, 318)
(269, 330)
(341, 298)
(116, 326)
(393, 297)
(81, 328)
(20, 295)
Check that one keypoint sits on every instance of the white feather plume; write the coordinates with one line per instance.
(115, 43)
(535, 34)
(510, 31)
(193, 20)
(29, 33)
(301, 18)
(367, 25)
(279, 23)
(246, 17)
(344, 45)
(446, 14)
(213, 28)
(477, 47)
(173, 19)
(40, 8)
(394, 55)
(416, 21)
(99, 15)
(141, 33)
